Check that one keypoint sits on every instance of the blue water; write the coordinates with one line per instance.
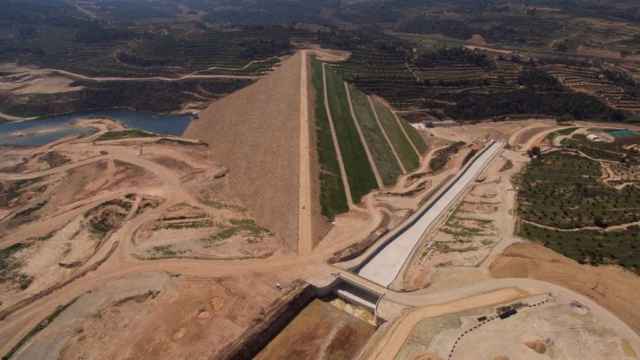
(624, 133)
(60, 126)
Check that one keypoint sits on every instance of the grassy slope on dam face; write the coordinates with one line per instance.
(333, 199)
(359, 172)
(414, 136)
(382, 154)
(400, 142)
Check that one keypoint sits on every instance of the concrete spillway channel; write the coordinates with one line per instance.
(385, 265)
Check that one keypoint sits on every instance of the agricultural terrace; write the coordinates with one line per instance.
(333, 199)
(463, 84)
(564, 191)
(386, 163)
(359, 172)
(399, 141)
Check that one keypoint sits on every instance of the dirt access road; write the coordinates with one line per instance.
(305, 237)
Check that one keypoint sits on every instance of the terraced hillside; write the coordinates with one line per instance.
(459, 83)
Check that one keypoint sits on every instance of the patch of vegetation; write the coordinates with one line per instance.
(381, 151)
(359, 172)
(246, 227)
(508, 165)
(564, 191)
(11, 190)
(618, 247)
(166, 251)
(125, 134)
(10, 267)
(463, 233)
(333, 199)
(441, 157)
(107, 217)
(400, 142)
(27, 214)
(54, 159)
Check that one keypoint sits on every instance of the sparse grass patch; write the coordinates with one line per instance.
(247, 227)
(10, 267)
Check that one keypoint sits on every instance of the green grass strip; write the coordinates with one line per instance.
(333, 200)
(380, 149)
(359, 172)
(414, 136)
(400, 142)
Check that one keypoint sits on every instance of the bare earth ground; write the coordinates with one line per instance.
(612, 287)
(246, 133)
(319, 332)
(550, 330)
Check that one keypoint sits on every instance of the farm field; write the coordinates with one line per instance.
(332, 195)
(359, 172)
(399, 141)
(382, 154)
